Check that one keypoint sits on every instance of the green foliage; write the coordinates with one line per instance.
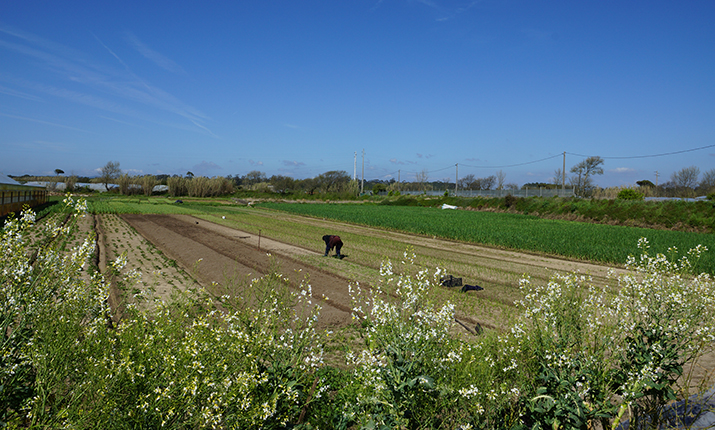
(629, 194)
(596, 242)
(379, 188)
(680, 215)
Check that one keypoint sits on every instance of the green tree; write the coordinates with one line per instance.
(333, 181)
(254, 177)
(645, 183)
(282, 184)
(59, 172)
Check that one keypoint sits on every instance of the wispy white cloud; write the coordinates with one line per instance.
(290, 126)
(39, 121)
(293, 163)
(76, 69)
(119, 121)
(153, 56)
(20, 94)
(255, 163)
(446, 13)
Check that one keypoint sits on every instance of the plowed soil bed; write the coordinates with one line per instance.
(217, 254)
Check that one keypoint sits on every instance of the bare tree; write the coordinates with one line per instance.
(501, 176)
(486, 183)
(422, 177)
(584, 170)
(707, 184)
(467, 182)
(109, 173)
(686, 179)
(558, 177)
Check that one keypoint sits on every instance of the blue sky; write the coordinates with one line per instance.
(297, 88)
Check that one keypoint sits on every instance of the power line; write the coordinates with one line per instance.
(560, 155)
(648, 156)
(513, 165)
(428, 171)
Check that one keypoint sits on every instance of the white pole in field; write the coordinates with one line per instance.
(456, 178)
(355, 167)
(563, 174)
(362, 183)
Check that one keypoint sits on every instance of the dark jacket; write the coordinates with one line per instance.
(332, 241)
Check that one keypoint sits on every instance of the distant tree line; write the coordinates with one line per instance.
(686, 182)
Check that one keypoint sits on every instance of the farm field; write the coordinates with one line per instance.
(219, 245)
(225, 239)
(603, 243)
(227, 246)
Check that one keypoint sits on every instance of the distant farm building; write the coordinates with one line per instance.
(14, 196)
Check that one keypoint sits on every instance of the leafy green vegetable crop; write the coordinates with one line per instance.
(596, 242)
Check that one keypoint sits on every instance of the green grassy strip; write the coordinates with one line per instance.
(144, 206)
(595, 242)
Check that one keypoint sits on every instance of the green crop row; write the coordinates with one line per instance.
(594, 242)
(141, 206)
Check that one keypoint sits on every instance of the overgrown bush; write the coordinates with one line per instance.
(629, 194)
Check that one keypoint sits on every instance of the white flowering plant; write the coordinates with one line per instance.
(198, 361)
(46, 299)
(411, 362)
(601, 351)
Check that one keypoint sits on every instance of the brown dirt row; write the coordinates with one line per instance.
(215, 254)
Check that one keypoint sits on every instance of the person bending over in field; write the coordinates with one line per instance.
(332, 241)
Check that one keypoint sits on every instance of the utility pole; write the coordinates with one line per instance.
(563, 174)
(656, 179)
(456, 178)
(399, 187)
(355, 167)
(362, 184)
